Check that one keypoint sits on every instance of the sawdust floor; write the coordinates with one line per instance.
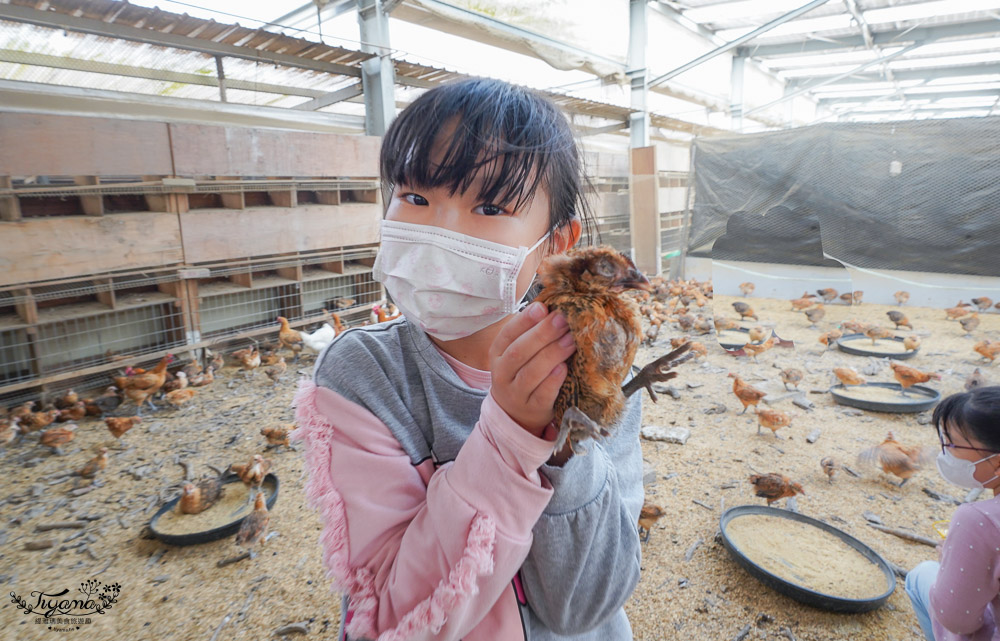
(172, 592)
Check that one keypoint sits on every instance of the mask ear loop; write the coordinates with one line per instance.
(534, 287)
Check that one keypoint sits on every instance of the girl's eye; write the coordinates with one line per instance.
(415, 199)
(491, 210)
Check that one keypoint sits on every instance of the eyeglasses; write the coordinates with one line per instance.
(958, 447)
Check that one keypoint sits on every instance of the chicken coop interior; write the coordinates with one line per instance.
(175, 176)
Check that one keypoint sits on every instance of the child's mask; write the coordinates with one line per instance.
(450, 284)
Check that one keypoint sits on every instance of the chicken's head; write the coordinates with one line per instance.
(595, 270)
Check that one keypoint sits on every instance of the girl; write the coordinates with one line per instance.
(428, 440)
(958, 598)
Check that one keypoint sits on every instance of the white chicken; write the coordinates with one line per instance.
(320, 338)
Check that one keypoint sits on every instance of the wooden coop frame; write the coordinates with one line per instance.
(122, 240)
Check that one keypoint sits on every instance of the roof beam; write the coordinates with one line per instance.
(929, 73)
(68, 22)
(917, 95)
(791, 15)
(881, 38)
(96, 66)
(327, 99)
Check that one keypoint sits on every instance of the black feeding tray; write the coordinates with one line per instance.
(798, 592)
(269, 487)
(857, 351)
(733, 346)
(920, 398)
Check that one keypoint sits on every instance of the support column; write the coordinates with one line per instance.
(736, 91)
(644, 205)
(377, 73)
(639, 121)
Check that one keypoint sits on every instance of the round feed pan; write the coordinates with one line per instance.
(798, 592)
(229, 528)
(920, 398)
(728, 338)
(847, 345)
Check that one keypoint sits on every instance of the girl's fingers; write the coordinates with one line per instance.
(534, 372)
(527, 344)
(545, 393)
(519, 324)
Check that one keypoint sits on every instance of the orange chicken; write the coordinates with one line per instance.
(744, 310)
(747, 393)
(899, 319)
(34, 421)
(74, 413)
(901, 297)
(648, 517)
(276, 371)
(848, 376)
(722, 323)
(983, 302)
(855, 327)
(750, 349)
(141, 388)
(815, 314)
(876, 333)
(290, 338)
(757, 334)
(276, 436)
(969, 323)
(807, 300)
(958, 311)
(180, 397)
(94, 465)
(773, 420)
(987, 349)
(205, 378)
(774, 487)
(791, 376)
(911, 342)
(747, 288)
(829, 294)
(201, 495)
(909, 376)
(895, 458)
(830, 338)
(118, 425)
(55, 437)
(829, 466)
(254, 526)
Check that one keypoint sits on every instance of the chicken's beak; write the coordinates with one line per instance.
(634, 279)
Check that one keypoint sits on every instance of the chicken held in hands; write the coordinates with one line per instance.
(775, 487)
(586, 285)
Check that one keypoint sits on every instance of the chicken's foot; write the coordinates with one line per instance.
(578, 425)
(658, 371)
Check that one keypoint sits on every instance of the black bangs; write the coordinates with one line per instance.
(976, 414)
(501, 141)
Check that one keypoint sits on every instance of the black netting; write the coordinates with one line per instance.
(916, 196)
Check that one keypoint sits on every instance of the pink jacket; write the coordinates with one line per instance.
(423, 551)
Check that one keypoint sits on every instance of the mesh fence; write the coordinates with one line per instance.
(916, 196)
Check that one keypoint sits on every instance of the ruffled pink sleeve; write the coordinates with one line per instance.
(423, 553)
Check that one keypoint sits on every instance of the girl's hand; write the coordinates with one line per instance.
(527, 361)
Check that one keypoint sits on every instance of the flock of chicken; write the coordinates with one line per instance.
(672, 302)
(57, 422)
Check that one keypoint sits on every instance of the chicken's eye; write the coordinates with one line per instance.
(606, 269)
(415, 199)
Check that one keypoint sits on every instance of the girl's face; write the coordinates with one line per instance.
(972, 450)
(462, 212)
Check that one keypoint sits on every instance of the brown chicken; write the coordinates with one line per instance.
(648, 516)
(180, 397)
(900, 319)
(744, 310)
(970, 323)
(752, 350)
(698, 349)
(773, 420)
(829, 466)
(76, 412)
(205, 378)
(815, 314)
(983, 302)
(94, 465)
(179, 381)
(253, 472)
(201, 495)
(290, 338)
(958, 311)
(807, 300)
(774, 487)
(830, 338)
(702, 325)
(911, 342)
(828, 294)
(901, 297)
(876, 333)
(192, 369)
(856, 296)
(118, 425)
(71, 398)
(249, 359)
(747, 288)
(909, 376)
(34, 421)
(747, 393)
(55, 437)
(141, 388)
(758, 334)
(254, 526)
(9, 431)
(895, 458)
(722, 323)
(987, 349)
(848, 376)
(652, 332)
(791, 376)
(276, 436)
(218, 361)
(108, 401)
(276, 371)
(975, 379)
(855, 327)
(586, 285)
(22, 410)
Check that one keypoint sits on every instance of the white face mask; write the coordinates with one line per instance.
(961, 472)
(450, 284)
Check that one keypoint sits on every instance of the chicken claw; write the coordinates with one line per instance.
(580, 426)
(658, 371)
